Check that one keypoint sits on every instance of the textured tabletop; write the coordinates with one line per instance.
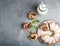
(14, 12)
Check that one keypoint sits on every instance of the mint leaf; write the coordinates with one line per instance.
(34, 26)
(30, 32)
(35, 21)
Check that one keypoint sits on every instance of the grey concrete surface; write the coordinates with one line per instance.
(14, 12)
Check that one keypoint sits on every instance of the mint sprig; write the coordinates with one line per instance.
(34, 27)
(35, 21)
(30, 33)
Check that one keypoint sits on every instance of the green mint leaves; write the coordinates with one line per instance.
(35, 21)
(30, 33)
(34, 27)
